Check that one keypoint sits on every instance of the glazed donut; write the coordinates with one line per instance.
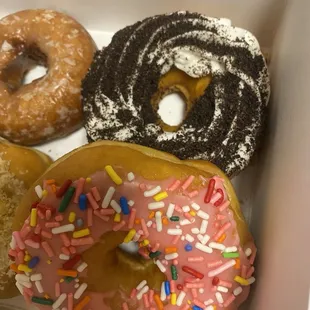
(194, 246)
(218, 69)
(19, 168)
(50, 106)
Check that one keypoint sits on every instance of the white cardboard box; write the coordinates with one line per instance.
(274, 189)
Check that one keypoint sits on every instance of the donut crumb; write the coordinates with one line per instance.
(11, 192)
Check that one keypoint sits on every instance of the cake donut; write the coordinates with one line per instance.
(195, 250)
(218, 69)
(48, 107)
(19, 168)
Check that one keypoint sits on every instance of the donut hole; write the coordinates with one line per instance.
(29, 65)
(36, 72)
(172, 108)
(119, 265)
(131, 247)
(176, 95)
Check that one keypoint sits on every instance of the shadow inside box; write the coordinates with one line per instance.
(245, 187)
(252, 188)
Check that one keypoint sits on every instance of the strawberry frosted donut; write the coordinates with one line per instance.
(48, 107)
(194, 249)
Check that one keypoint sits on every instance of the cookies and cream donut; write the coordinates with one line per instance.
(48, 107)
(218, 69)
(19, 168)
(194, 246)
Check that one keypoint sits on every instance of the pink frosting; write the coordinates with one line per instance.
(134, 191)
